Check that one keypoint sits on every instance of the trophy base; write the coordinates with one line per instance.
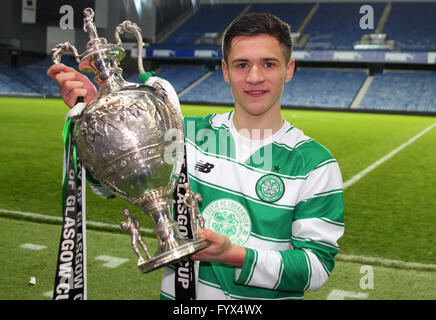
(173, 255)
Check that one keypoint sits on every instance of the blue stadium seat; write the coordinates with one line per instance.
(180, 76)
(15, 82)
(336, 26)
(291, 13)
(323, 88)
(213, 89)
(412, 26)
(207, 19)
(403, 91)
(9, 86)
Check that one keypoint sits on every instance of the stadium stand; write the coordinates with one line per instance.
(309, 87)
(212, 89)
(323, 27)
(36, 73)
(323, 88)
(14, 82)
(412, 26)
(334, 26)
(207, 19)
(10, 86)
(34, 77)
(181, 76)
(402, 90)
(292, 13)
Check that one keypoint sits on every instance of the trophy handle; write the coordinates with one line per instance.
(59, 50)
(128, 26)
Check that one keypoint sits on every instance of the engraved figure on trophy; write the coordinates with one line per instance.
(191, 200)
(122, 139)
(132, 225)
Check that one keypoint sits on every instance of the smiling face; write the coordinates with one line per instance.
(257, 69)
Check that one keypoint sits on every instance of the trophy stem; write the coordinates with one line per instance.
(165, 228)
(172, 246)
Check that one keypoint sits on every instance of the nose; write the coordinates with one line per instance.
(255, 75)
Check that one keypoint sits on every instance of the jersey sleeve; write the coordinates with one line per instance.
(318, 223)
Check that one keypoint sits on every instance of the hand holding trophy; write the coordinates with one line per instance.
(131, 140)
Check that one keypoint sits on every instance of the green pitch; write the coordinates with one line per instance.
(390, 212)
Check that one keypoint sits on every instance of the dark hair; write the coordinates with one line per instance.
(255, 23)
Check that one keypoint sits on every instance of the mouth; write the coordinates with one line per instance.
(255, 93)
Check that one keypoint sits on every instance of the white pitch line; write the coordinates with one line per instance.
(386, 262)
(59, 219)
(336, 294)
(364, 172)
(112, 262)
(32, 246)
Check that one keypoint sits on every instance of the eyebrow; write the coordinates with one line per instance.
(263, 59)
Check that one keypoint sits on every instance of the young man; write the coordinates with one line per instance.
(272, 198)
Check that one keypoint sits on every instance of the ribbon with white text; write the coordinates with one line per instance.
(184, 273)
(70, 279)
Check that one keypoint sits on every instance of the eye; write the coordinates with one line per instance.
(269, 64)
(241, 65)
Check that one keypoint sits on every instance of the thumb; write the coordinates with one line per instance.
(212, 236)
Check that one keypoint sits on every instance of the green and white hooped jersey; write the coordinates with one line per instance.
(281, 198)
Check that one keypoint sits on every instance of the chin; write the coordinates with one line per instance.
(257, 110)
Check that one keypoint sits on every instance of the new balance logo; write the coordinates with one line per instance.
(204, 167)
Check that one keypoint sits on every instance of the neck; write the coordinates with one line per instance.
(257, 127)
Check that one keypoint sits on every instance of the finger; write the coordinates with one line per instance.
(58, 68)
(73, 84)
(70, 90)
(209, 235)
(204, 233)
(63, 77)
(54, 70)
(200, 233)
(66, 86)
(195, 256)
(200, 255)
(70, 97)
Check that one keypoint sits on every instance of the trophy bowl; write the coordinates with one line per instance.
(131, 140)
(132, 143)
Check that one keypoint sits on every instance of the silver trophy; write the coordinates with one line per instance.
(131, 140)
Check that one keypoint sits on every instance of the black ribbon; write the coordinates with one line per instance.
(184, 273)
(70, 279)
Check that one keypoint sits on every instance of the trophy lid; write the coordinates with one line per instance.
(99, 51)
(102, 58)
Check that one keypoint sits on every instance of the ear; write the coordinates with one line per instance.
(225, 71)
(290, 70)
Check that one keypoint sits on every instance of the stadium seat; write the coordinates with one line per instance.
(402, 91)
(323, 88)
(412, 26)
(14, 82)
(213, 89)
(181, 76)
(291, 13)
(207, 19)
(336, 26)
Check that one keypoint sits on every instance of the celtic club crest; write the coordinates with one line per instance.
(270, 188)
(229, 218)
